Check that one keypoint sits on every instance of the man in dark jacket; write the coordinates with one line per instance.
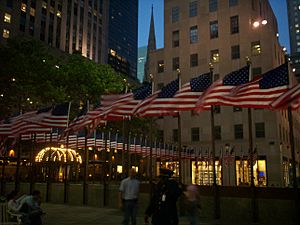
(162, 207)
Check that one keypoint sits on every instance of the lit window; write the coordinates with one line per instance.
(23, 7)
(297, 25)
(215, 57)
(5, 33)
(160, 66)
(255, 48)
(44, 5)
(297, 31)
(7, 18)
(32, 11)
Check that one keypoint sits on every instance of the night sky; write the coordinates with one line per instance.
(279, 7)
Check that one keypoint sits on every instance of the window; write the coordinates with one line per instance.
(160, 135)
(217, 109)
(175, 14)
(9, 3)
(237, 109)
(233, 2)
(255, 48)
(23, 7)
(260, 130)
(217, 130)
(214, 29)
(175, 38)
(214, 56)
(193, 34)
(234, 24)
(160, 86)
(160, 66)
(238, 131)
(7, 18)
(5, 33)
(213, 5)
(235, 52)
(32, 11)
(195, 134)
(175, 135)
(193, 8)
(193, 60)
(175, 63)
(256, 71)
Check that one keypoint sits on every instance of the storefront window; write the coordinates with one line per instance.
(171, 165)
(202, 173)
(243, 173)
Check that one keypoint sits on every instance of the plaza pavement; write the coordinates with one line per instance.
(64, 214)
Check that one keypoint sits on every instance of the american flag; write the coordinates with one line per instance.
(215, 93)
(17, 125)
(187, 97)
(289, 98)
(79, 122)
(260, 92)
(126, 103)
(56, 117)
(160, 103)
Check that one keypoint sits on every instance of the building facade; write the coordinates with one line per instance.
(142, 55)
(122, 36)
(68, 25)
(224, 33)
(294, 30)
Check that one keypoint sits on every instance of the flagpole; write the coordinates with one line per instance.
(5, 146)
(179, 132)
(86, 164)
(250, 136)
(292, 144)
(66, 165)
(151, 143)
(213, 150)
(17, 175)
(124, 160)
(31, 158)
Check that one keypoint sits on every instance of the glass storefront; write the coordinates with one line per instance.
(243, 173)
(202, 173)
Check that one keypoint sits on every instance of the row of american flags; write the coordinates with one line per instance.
(270, 90)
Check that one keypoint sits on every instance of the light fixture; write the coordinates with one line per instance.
(277, 34)
(256, 24)
(264, 22)
(294, 70)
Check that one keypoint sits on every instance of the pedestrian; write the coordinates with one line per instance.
(31, 207)
(192, 203)
(128, 197)
(162, 208)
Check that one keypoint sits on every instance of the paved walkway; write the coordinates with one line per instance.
(82, 215)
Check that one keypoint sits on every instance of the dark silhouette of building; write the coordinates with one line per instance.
(122, 36)
(293, 7)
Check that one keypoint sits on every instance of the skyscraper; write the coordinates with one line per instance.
(142, 55)
(293, 7)
(63, 24)
(122, 36)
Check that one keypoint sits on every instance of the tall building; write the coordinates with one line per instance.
(223, 33)
(67, 25)
(142, 55)
(293, 7)
(122, 36)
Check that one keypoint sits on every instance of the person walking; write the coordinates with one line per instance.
(128, 197)
(162, 207)
(192, 203)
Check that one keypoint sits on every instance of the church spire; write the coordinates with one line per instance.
(151, 45)
(151, 38)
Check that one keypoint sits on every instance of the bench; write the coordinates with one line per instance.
(8, 218)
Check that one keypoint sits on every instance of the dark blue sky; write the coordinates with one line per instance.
(279, 7)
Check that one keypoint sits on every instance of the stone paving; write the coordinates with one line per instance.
(65, 214)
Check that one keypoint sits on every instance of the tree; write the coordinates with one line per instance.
(33, 75)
